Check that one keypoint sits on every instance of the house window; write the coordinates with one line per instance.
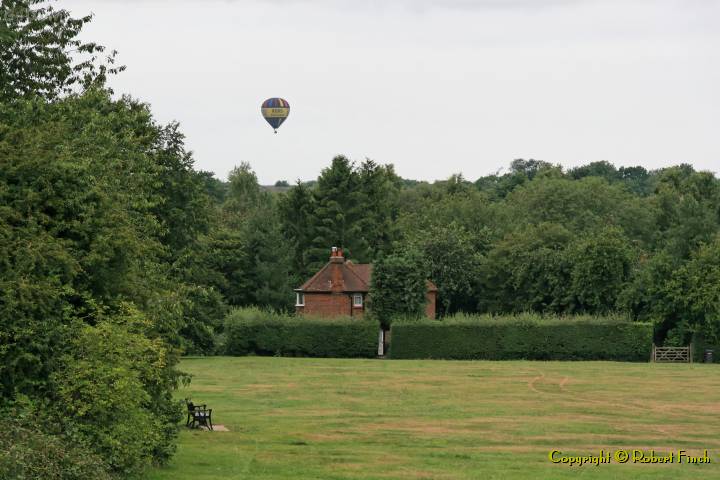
(357, 300)
(300, 300)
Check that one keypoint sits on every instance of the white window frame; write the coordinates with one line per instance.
(355, 297)
(299, 299)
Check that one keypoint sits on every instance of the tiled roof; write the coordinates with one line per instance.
(344, 277)
(338, 277)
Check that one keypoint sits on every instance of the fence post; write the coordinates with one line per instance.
(690, 352)
(652, 358)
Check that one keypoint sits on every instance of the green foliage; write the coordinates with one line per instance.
(687, 208)
(451, 261)
(337, 208)
(643, 295)
(521, 171)
(216, 261)
(202, 310)
(244, 257)
(602, 169)
(261, 332)
(528, 271)
(266, 261)
(379, 189)
(297, 213)
(29, 453)
(601, 265)
(102, 395)
(691, 297)
(525, 336)
(41, 55)
(398, 287)
(353, 207)
(635, 179)
(580, 206)
(94, 196)
(184, 210)
(544, 268)
(243, 195)
(77, 231)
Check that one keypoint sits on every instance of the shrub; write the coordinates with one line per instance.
(27, 453)
(524, 336)
(110, 394)
(259, 332)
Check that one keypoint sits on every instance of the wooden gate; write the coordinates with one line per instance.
(672, 354)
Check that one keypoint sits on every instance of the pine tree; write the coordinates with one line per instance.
(337, 211)
(297, 211)
(379, 188)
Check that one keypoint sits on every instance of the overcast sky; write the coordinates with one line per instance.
(434, 87)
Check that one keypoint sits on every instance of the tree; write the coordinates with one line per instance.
(530, 168)
(527, 271)
(266, 261)
(41, 55)
(452, 263)
(243, 195)
(379, 188)
(645, 294)
(601, 264)
(637, 180)
(601, 169)
(694, 294)
(398, 287)
(680, 297)
(337, 211)
(687, 210)
(81, 245)
(297, 215)
(580, 205)
(184, 208)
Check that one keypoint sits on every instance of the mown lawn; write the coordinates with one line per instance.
(296, 418)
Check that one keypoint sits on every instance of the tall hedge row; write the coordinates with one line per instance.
(253, 331)
(522, 338)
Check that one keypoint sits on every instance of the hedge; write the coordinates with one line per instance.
(523, 337)
(253, 331)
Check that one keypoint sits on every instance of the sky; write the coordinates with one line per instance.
(433, 87)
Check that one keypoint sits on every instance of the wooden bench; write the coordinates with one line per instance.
(198, 416)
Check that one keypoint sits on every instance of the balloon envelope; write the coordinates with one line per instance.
(275, 111)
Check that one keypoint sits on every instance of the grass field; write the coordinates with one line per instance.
(295, 418)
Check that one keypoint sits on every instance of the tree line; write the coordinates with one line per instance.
(539, 238)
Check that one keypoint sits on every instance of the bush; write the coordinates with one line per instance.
(27, 453)
(111, 395)
(254, 331)
(524, 336)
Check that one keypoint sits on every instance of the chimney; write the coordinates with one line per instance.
(337, 282)
(336, 255)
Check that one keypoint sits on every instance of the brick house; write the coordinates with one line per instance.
(341, 288)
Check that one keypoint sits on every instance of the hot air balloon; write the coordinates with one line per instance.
(275, 111)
